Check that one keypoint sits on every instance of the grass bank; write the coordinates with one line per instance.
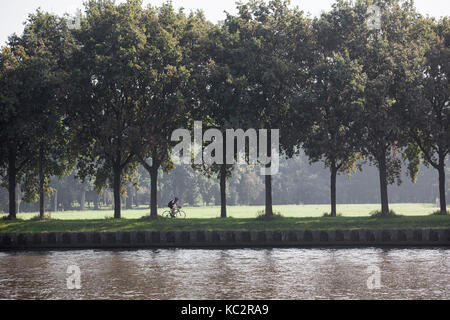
(249, 212)
(228, 224)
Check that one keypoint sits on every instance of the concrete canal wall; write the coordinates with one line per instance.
(224, 239)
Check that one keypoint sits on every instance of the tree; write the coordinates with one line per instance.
(166, 102)
(14, 120)
(220, 91)
(381, 137)
(424, 107)
(336, 97)
(106, 92)
(270, 52)
(34, 137)
(333, 97)
(45, 47)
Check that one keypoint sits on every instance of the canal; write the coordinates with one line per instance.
(369, 273)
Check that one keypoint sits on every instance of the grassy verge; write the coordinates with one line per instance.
(229, 224)
(248, 212)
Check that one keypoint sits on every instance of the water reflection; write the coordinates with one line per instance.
(227, 274)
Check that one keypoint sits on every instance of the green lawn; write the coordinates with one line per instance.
(229, 224)
(294, 211)
(241, 218)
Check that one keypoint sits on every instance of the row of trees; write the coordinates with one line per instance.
(107, 96)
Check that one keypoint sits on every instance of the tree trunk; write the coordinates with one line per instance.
(116, 187)
(41, 184)
(269, 210)
(383, 186)
(333, 188)
(223, 191)
(442, 199)
(12, 182)
(154, 191)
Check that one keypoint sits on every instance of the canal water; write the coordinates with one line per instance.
(370, 273)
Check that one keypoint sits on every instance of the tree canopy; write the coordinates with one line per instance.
(107, 94)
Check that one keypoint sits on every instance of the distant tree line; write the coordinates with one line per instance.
(245, 187)
(100, 101)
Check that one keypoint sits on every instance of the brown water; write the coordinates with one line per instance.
(228, 274)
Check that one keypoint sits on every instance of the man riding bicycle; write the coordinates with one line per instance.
(174, 205)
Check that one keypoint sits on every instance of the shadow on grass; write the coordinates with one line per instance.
(227, 224)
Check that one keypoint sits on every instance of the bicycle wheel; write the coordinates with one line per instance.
(166, 214)
(181, 214)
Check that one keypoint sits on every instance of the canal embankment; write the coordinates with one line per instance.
(225, 239)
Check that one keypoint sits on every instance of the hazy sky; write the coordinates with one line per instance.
(14, 13)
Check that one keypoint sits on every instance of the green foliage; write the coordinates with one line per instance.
(108, 96)
(328, 215)
(46, 217)
(336, 97)
(261, 215)
(379, 214)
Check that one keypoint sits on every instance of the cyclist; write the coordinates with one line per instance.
(174, 205)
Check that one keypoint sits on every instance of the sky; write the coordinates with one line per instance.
(14, 13)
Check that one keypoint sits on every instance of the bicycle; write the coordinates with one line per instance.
(180, 214)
